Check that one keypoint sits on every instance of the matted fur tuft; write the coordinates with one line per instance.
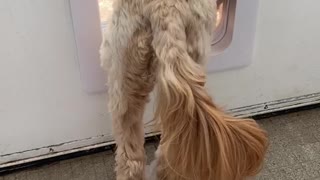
(167, 42)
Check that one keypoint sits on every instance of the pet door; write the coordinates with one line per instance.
(232, 42)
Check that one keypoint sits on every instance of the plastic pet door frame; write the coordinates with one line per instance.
(88, 37)
(232, 47)
(235, 49)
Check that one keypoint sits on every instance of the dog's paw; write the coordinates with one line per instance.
(131, 170)
(135, 168)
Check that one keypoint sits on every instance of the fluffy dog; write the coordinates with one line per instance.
(165, 43)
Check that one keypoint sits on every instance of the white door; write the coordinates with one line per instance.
(52, 93)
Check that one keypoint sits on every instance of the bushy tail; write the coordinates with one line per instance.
(198, 141)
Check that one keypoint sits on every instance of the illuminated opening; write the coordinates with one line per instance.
(221, 21)
(105, 7)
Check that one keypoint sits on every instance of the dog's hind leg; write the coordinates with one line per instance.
(132, 79)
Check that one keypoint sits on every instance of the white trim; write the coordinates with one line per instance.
(275, 106)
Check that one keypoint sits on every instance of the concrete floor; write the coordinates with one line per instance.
(294, 154)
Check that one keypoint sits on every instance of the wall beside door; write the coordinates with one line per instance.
(44, 109)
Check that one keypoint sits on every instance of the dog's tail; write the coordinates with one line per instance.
(198, 140)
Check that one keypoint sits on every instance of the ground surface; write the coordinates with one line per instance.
(294, 154)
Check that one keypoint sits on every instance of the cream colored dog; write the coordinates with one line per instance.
(165, 43)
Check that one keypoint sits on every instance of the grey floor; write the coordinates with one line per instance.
(294, 154)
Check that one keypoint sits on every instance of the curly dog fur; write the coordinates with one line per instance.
(165, 43)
